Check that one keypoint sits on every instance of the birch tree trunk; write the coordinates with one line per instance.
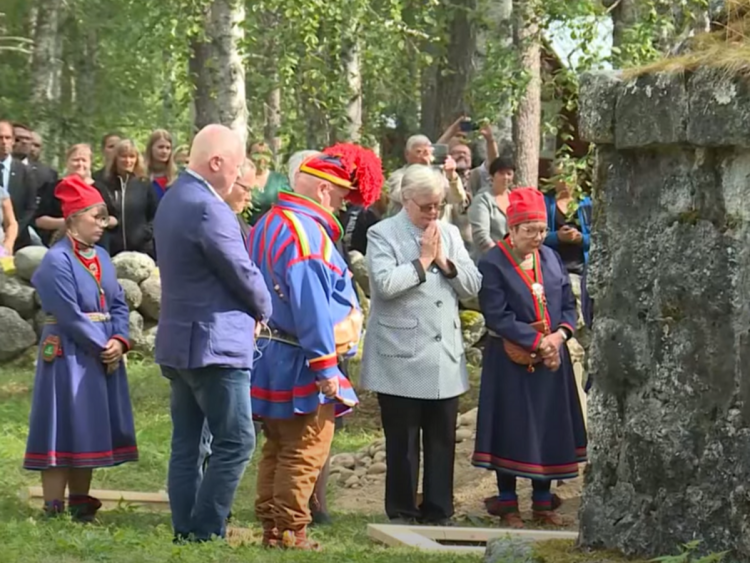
(528, 120)
(46, 66)
(217, 70)
(354, 80)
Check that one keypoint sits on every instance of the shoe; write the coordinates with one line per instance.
(83, 508)
(321, 519)
(401, 521)
(270, 536)
(512, 520)
(291, 539)
(548, 518)
(441, 522)
(54, 508)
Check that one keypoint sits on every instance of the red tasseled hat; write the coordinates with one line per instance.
(526, 205)
(76, 195)
(352, 167)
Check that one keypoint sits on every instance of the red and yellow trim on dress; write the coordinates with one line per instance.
(540, 302)
(530, 470)
(83, 459)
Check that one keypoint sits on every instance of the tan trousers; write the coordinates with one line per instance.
(295, 451)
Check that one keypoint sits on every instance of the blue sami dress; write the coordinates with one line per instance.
(529, 424)
(81, 416)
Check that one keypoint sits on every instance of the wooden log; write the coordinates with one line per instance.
(111, 499)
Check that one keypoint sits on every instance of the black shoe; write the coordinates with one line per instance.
(321, 519)
(399, 521)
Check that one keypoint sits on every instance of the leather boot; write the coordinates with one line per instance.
(83, 508)
(291, 539)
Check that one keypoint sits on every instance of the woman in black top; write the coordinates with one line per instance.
(130, 200)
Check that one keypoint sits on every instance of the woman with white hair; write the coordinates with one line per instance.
(414, 354)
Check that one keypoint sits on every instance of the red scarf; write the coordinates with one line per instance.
(87, 256)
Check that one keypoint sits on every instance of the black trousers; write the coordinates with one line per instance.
(404, 422)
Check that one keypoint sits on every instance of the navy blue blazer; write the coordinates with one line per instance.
(212, 293)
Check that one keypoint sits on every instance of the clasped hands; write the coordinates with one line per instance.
(432, 248)
(112, 354)
(550, 350)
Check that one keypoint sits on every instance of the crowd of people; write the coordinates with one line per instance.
(260, 316)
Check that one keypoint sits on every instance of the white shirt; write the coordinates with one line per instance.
(6, 171)
(197, 176)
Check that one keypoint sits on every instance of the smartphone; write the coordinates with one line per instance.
(468, 126)
(439, 154)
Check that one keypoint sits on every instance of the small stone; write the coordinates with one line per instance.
(377, 469)
(353, 480)
(366, 461)
(344, 460)
(344, 474)
(473, 356)
(335, 470)
(463, 434)
(378, 457)
(360, 471)
(469, 418)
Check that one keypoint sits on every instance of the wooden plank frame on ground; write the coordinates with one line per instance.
(113, 499)
(449, 539)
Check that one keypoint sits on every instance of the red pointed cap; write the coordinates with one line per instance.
(75, 195)
(349, 166)
(526, 205)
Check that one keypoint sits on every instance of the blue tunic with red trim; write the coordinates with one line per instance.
(80, 415)
(529, 424)
(293, 245)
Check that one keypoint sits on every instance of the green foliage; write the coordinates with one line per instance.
(688, 555)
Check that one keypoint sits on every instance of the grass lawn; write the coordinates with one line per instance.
(126, 535)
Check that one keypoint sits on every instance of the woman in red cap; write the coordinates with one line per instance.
(530, 422)
(81, 417)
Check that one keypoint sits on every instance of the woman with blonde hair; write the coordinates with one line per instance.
(131, 200)
(159, 161)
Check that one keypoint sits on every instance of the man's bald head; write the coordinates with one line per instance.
(217, 154)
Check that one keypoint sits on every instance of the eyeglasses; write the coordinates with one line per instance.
(532, 232)
(429, 207)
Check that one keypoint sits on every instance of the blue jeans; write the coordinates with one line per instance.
(220, 398)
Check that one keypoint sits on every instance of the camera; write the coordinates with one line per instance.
(439, 154)
(468, 126)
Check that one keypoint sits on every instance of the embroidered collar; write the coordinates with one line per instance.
(306, 206)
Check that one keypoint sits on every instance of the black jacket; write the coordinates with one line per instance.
(22, 189)
(47, 205)
(133, 203)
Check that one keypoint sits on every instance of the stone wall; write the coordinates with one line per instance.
(669, 415)
(21, 317)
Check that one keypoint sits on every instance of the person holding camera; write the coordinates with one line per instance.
(421, 151)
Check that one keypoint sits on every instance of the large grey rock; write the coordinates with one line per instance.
(27, 260)
(472, 327)
(133, 293)
(651, 110)
(16, 335)
(719, 109)
(151, 302)
(17, 295)
(510, 550)
(147, 341)
(596, 106)
(38, 322)
(134, 266)
(135, 327)
(669, 414)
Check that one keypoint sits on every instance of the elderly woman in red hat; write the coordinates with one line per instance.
(530, 422)
(81, 417)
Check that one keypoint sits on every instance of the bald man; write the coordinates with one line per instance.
(213, 299)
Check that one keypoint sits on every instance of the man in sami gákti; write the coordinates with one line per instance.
(297, 386)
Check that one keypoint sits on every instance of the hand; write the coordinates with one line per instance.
(455, 127)
(329, 387)
(429, 243)
(258, 328)
(551, 345)
(8, 249)
(440, 258)
(566, 234)
(553, 362)
(486, 131)
(112, 222)
(577, 237)
(449, 167)
(113, 351)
